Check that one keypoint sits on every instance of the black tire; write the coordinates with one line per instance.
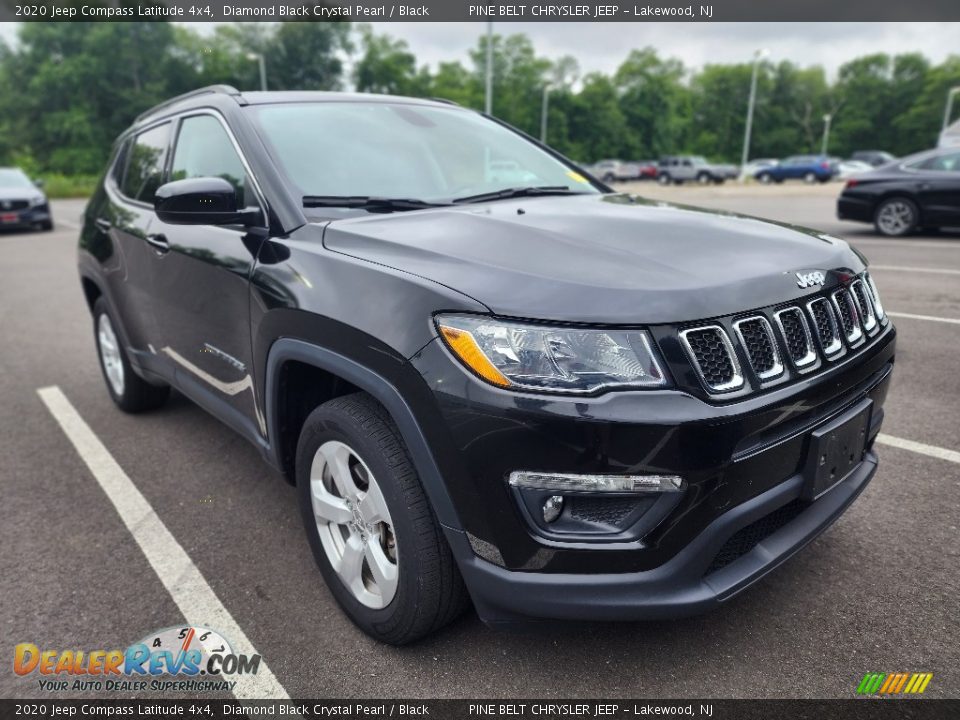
(664, 178)
(137, 394)
(430, 592)
(810, 178)
(609, 178)
(704, 178)
(904, 209)
(47, 225)
(765, 178)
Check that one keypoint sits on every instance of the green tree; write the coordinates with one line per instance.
(388, 67)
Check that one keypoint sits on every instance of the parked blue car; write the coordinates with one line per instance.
(809, 168)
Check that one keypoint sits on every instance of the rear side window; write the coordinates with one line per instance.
(943, 163)
(145, 164)
(204, 149)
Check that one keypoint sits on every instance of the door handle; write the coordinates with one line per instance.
(103, 224)
(159, 242)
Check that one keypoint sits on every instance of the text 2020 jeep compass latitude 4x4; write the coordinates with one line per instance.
(489, 376)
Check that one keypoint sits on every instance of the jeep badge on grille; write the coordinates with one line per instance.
(814, 277)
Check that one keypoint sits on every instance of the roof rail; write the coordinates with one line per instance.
(220, 89)
(445, 101)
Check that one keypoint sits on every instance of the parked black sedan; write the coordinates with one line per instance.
(22, 203)
(922, 192)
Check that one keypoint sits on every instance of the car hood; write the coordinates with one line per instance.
(597, 258)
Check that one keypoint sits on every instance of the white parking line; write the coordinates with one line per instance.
(922, 448)
(936, 271)
(182, 579)
(932, 318)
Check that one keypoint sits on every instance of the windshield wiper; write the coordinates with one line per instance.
(368, 202)
(518, 192)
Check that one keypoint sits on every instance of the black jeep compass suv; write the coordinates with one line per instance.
(490, 377)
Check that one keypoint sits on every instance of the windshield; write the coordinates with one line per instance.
(378, 149)
(12, 178)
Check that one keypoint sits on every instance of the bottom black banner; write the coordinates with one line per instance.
(863, 709)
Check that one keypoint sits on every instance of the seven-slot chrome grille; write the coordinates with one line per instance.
(801, 337)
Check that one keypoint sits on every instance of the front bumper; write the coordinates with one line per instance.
(689, 583)
(11, 219)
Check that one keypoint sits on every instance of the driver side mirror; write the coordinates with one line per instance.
(40, 183)
(201, 201)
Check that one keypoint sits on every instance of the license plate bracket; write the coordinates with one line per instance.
(9, 217)
(836, 448)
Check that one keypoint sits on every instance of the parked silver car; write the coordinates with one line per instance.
(611, 170)
(682, 168)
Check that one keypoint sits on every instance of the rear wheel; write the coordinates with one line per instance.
(703, 178)
(128, 390)
(664, 178)
(810, 178)
(896, 216)
(370, 525)
(765, 177)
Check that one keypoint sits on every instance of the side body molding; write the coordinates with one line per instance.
(366, 379)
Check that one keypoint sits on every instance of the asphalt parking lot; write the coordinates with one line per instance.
(879, 591)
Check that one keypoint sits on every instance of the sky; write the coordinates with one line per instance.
(603, 46)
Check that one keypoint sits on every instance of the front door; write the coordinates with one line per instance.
(201, 283)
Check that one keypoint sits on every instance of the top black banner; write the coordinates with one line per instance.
(480, 10)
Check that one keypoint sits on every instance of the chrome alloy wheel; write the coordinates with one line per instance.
(895, 217)
(110, 354)
(354, 523)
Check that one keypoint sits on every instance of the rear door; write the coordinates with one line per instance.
(939, 189)
(201, 281)
(123, 220)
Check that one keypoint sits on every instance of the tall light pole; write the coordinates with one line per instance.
(488, 99)
(543, 113)
(949, 108)
(757, 57)
(826, 133)
(263, 68)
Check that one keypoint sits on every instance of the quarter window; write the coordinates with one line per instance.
(145, 166)
(204, 149)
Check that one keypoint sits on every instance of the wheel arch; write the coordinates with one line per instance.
(345, 374)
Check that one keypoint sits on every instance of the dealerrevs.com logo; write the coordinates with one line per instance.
(188, 659)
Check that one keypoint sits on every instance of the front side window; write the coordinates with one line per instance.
(204, 149)
(943, 163)
(404, 151)
(145, 165)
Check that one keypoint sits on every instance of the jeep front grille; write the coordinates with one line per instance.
(757, 339)
(779, 342)
(796, 336)
(825, 322)
(846, 309)
(713, 357)
(867, 314)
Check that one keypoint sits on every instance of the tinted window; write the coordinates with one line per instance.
(145, 165)
(948, 163)
(204, 149)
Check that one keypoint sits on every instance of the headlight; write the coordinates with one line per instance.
(37, 201)
(535, 357)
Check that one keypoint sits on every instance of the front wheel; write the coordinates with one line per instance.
(129, 391)
(664, 178)
(896, 217)
(704, 178)
(765, 178)
(370, 525)
(810, 178)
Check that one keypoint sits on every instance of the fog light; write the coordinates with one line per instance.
(552, 508)
(595, 483)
